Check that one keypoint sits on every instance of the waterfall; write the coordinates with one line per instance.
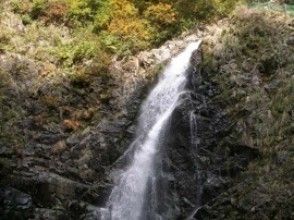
(128, 196)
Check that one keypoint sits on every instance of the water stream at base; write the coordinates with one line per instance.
(128, 196)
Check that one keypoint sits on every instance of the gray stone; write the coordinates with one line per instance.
(11, 198)
(290, 41)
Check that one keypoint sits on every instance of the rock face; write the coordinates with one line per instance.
(63, 166)
(199, 159)
(63, 171)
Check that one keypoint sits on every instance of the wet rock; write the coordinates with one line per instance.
(5, 151)
(131, 129)
(282, 157)
(200, 167)
(76, 208)
(107, 127)
(13, 198)
(93, 213)
(49, 214)
(39, 150)
(213, 185)
(14, 204)
(290, 41)
(48, 138)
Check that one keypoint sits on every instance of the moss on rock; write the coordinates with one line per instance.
(253, 67)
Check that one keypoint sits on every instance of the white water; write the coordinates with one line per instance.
(127, 198)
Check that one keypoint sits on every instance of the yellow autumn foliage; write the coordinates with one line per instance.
(126, 22)
(123, 8)
(123, 26)
(128, 28)
(161, 13)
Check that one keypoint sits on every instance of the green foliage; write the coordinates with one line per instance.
(102, 17)
(225, 7)
(83, 11)
(164, 19)
(75, 52)
(115, 45)
(80, 11)
(161, 14)
(21, 7)
(124, 26)
(118, 22)
(26, 19)
(5, 37)
(38, 8)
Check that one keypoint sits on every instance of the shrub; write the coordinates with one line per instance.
(161, 14)
(100, 64)
(84, 50)
(123, 26)
(128, 28)
(56, 12)
(26, 19)
(224, 7)
(164, 20)
(114, 44)
(82, 11)
(75, 52)
(5, 37)
(79, 11)
(39, 8)
(103, 17)
(21, 7)
(84, 46)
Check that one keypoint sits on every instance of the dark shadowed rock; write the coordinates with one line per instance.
(49, 214)
(14, 204)
(290, 41)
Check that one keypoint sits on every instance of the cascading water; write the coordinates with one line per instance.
(128, 196)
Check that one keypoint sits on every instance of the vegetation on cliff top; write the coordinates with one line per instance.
(124, 26)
